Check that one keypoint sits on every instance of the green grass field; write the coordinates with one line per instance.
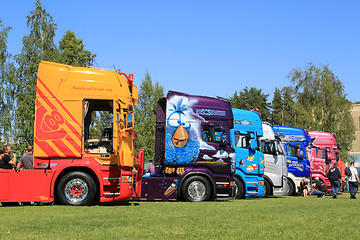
(272, 218)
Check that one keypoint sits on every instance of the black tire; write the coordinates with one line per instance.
(196, 189)
(76, 189)
(267, 189)
(239, 189)
(291, 185)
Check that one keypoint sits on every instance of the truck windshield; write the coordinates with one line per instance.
(320, 153)
(241, 141)
(293, 151)
(268, 147)
(212, 134)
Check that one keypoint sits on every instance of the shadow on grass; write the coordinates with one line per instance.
(111, 204)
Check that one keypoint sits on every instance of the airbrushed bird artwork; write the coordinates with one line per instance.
(182, 141)
(190, 166)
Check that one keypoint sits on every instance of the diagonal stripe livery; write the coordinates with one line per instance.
(57, 134)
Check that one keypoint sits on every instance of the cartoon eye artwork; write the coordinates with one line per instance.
(184, 121)
(176, 119)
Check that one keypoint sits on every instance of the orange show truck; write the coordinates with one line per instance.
(70, 167)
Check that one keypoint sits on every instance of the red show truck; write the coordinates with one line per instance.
(324, 152)
(69, 166)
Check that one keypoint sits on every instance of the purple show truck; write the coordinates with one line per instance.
(193, 157)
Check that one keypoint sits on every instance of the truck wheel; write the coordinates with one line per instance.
(291, 186)
(267, 189)
(239, 189)
(77, 189)
(196, 189)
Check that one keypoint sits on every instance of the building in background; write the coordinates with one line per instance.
(355, 149)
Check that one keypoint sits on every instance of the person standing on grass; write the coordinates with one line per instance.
(334, 176)
(320, 188)
(6, 162)
(26, 161)
(304, 187)
(353, 181)
(346, 183)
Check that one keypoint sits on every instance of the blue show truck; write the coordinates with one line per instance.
(295, 142)
(249, 181)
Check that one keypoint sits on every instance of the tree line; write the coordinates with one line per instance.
(18, 72)
(314, 100)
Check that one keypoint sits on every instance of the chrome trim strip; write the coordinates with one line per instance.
(112, 194)
(221, 183)
(222, 195)
(108, 164)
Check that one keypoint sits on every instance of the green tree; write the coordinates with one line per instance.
(289, 107)
(7, 77)
(251, 98)
(145, 114)
(37, 46)
(284, 109)
(277, 108)
(72, 51)
(322, 104)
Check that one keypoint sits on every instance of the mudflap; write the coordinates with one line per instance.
(137, 183)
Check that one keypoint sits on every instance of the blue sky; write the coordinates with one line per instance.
(211, 48)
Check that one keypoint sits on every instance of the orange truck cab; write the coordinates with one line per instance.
(71, 166)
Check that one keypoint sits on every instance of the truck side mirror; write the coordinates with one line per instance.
(253, 143)
(300, 153)
(252, 135)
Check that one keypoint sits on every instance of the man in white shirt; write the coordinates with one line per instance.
(353, 181)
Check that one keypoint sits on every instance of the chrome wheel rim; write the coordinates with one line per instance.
(236, 189)
(76, 190)
(264, 194)
(196, 190)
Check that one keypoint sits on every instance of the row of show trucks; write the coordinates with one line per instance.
(204, 149)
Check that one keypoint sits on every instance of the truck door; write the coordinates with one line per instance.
(273, 167)
(125, 133)
(245, 143)
(297, 163)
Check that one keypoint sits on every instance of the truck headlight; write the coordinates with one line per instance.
(233, 165)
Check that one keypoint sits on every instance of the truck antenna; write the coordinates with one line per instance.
(96, 63)
(117, 75)
(224, 99)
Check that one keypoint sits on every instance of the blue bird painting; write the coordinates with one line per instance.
(181, 138)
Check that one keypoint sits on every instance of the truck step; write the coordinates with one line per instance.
(109, 194)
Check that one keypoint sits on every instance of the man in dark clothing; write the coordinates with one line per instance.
(2, 163)
(334, 176)
(26, 161)
(320, 188)
(6, 162)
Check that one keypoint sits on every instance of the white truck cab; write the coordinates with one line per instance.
(276, 171)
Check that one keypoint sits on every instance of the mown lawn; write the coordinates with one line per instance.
(272, 218)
